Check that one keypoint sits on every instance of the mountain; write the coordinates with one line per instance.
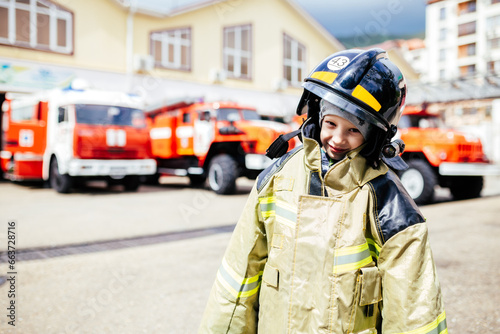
(360, 41)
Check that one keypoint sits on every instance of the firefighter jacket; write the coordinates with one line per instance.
(347, 252)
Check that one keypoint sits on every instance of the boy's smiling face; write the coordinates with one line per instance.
(339, 136)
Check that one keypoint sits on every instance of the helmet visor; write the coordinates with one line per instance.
(346, 105)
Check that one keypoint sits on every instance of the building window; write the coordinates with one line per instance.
(294, 63)
(467, 28)
(442, 55)
(468, 70)
(442, 34)
(40, 25)
(469, 111)
(492, 22)
(442, 13)
(172, 48)
(466, 7)
(442, 74)
(237, 51)
(467, 50)
(493, 66)
(488, 111)
(494, 44)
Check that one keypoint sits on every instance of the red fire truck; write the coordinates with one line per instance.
(68, 136)
(440, 156)
(215, 142)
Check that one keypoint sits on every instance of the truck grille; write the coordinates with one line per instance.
(113, 153)
(469, 152)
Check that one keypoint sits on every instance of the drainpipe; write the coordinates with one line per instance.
(130, 43)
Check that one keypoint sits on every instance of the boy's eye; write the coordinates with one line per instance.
(354, 130)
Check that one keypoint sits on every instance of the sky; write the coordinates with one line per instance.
(352, 17)
(360, 20)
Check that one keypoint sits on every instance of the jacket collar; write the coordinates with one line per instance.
(347, 174)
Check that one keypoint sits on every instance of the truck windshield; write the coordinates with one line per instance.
(109, 115)
(419, 121)
(232, 114)
(250, 114)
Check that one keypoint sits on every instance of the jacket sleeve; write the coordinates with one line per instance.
(412, 300)
(233, 302)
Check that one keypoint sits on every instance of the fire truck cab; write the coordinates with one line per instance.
(211, 141)
(71, 135)
(437, 155)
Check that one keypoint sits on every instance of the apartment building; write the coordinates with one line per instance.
(462, 39)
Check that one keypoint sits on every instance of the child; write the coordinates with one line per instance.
(329, 240)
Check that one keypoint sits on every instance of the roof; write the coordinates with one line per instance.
(415, 43)
(162, 9)
(409, 44)
(478, 88)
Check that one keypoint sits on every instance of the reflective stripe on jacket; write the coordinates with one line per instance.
(343, 253)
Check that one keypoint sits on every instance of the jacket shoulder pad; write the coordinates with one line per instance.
(396, 210)
(267, 173)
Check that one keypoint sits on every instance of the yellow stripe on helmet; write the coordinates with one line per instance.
(327, 77)
(362, 94)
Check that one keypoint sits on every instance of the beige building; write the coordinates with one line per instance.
(255, 52)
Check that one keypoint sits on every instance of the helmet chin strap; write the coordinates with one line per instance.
(280, 145)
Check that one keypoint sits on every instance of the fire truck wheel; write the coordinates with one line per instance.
(465, 187)
(61, 183)
(419, 180)
(131, 182)
(222, 174)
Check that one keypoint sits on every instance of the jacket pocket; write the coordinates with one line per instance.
(365, 315)
(283, 183)
(371, 286)
(271, 276)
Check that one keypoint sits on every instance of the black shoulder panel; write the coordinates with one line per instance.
(395, 208)
(266, 174)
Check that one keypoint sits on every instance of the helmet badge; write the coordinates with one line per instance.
(338, 63)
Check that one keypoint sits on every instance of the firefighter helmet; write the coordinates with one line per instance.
(364, 83)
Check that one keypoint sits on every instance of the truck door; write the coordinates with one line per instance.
(184, 133)
(62, 139)
(204, 131)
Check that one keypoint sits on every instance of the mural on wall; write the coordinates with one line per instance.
(14, 76)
